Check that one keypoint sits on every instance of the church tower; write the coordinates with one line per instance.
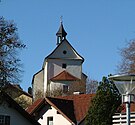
(62, 69)
(61, 34)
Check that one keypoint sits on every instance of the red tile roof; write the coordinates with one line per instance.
(81, 104)
(32, 108)
(61, 106)
(77, 105)
(64, 76)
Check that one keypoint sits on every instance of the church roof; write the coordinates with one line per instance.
(78, 56)
(64, 76)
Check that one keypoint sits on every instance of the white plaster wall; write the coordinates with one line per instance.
(45, 76)
(38, 84)
(58, 119)
(15, 117)
(74, 67)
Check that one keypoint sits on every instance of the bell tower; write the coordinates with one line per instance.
(61, 34)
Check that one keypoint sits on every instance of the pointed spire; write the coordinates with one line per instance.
(61, 34)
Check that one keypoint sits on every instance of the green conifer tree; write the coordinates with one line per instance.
(104, 104)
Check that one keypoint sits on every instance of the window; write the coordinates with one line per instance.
(64, 52)
(65, 88)
(4, 120)
(49, 120)
(64, 66)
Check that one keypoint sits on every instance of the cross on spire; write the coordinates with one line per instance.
(61, 19)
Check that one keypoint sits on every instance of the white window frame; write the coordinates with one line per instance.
(50, 120)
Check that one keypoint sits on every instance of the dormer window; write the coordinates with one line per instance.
(64, 65)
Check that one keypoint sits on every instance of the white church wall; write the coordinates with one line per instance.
(74, 67)
(59, 84)
(45, 76)
(37, 85)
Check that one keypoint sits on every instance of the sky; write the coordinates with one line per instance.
(97, 29)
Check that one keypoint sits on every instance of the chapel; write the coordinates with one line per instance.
(61, 70)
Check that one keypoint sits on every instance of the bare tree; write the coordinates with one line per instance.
(10, 67)
(55, 92)
(77, 86)
(127, 64)
(91, 86)
(39, 94)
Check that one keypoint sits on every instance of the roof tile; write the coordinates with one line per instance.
(81, 104)
(64, 76)
(78, 105)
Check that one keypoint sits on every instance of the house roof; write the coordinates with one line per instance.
(18, 108)
(59, 104)
(77, 105)
(64, 76)
(81, 102)
(35, 106)
(18, 88)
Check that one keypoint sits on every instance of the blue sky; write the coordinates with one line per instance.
(96, 29)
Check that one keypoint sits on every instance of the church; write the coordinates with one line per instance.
(62, 69)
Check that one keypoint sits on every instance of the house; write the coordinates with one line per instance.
(61, 68)
(64, 110)
(17, 93)
(13, 114)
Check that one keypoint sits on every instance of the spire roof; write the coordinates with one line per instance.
(61, 32)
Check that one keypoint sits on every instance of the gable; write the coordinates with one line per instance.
(60, 105)
(17, 114)
(56, 117)
(65, 51)
(14, 115)
(74, 108)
